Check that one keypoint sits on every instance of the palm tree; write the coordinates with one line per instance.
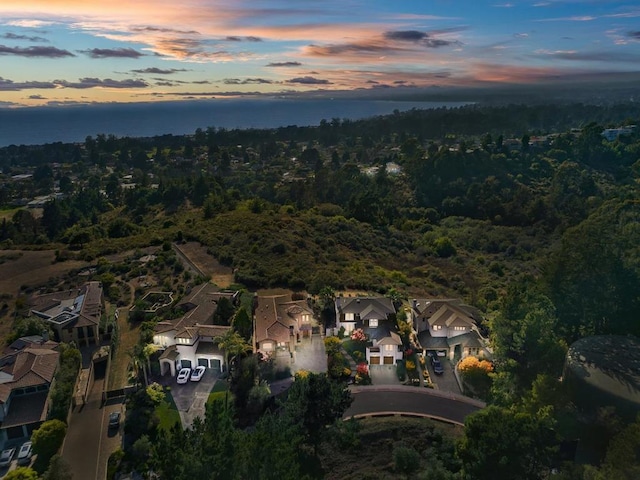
(233, 344)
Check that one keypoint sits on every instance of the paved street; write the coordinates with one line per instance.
(89, 442)
(417, 400)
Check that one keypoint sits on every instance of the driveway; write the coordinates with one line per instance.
(310, 355)
(384, 375)
(89, 442)
(447, 381)
(191, 397)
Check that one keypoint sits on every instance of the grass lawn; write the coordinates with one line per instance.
(129, 335)
(167, 412)
(219, 391)
(353, 346)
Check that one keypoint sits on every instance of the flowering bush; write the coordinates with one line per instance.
(362, 374)
(408, 352)
(358, 335)
(470, 364)
(362, 369)
(410, 365)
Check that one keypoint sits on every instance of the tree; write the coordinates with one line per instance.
(224, 312)
(47, 440)
(243, 324)
(233, 344)
(506, 443)
(22, 473)
(316, 401)
(59, 469)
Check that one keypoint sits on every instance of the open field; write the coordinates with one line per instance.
(32, 268)
(207, 264)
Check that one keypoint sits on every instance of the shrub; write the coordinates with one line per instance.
(401, 370)
(406, 460)
(358, 335)
(332, 345)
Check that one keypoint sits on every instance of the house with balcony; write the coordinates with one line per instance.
(189, 341)
(447, 327)
(74, 314)
(27, 369)
(279, 323)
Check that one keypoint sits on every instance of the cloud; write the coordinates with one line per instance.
(112, 53)
(423, 38)
(13, 36)
(160, 71)
(246, 81)
(35, 51)
(634, 35)
(576, 18)
(201, 82)
(36, 97)
(163, 30)
(283, 64)
(106, 83)
(309, 81)
(29, 23)
(250, 38)
(7, 85)
(602, 56)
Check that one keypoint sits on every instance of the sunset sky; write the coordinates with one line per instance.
(67, 51)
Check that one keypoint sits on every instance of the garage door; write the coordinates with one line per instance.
(215, 364)
(203, 362)
(186, 363)
(388, 360)
(375, 360)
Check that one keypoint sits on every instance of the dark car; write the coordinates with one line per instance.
(437, 366)
(114, 419)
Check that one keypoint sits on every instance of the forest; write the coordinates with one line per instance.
(525, 212)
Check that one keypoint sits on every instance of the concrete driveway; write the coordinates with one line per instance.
(384, 375)
(310, 355)
(445, 382)
(191, 397)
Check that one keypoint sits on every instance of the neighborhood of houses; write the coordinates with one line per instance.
(443, 327)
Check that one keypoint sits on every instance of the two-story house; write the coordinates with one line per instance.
(279, 323)
(74, 314)
(27, 369)
(447, 327)
(189, 341)
(376, 317)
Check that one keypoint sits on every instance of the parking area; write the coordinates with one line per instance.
(446, 381)
(384, 375)
(310, 355)
(190, 398)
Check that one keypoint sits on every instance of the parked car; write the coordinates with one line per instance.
(25, 453)
(183, 375)
(7, 456)
(114, 420)
(437, 366)
(197, 373)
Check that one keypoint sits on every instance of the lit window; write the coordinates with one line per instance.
(349, 317)
(437, 327)
(305, 318)
(460, 328)
(373, 322)
(389, 348)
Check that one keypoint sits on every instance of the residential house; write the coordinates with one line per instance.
(189, 341)
(376, 317)
(610, 134)
(279, 323)
(74, 314)
(27, 368)
(448, 327)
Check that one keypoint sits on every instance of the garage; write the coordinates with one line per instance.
(186, 363)
(375, 360)
(388, 360)
(203, 362)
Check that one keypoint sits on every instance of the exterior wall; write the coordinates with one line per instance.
(443, 332)
(187, 352)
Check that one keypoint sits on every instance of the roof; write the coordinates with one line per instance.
(368, 306)
(171, 353)
(429, 342)
(208, 348)
(466, 340)
(27, 409)
(30, 367)
(426, 307)
(275, 314)
(83, 306)
(392, 339)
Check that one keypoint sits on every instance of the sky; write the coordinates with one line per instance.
(59, 52)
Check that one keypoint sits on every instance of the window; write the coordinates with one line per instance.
(459, 328)
(437, 327)
(389, 348)
(373, 322)
(305, 318)
(349, 317)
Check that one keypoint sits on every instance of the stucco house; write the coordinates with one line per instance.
(27, 369)
(279, 323)
(74, 314)
(447, 326)
(189, 341)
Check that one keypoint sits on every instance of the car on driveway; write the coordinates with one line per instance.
(183, 375)
(114, 420)
(25, 453)
(197, 373)
(437, 366)
(7, 456)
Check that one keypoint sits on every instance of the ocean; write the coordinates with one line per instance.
(40, 125)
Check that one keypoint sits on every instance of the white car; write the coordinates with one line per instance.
(183, 375)
(25, 453)
(7, 456)
(197, 374)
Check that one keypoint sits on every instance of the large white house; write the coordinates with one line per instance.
(189, 341)
(447, 326)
